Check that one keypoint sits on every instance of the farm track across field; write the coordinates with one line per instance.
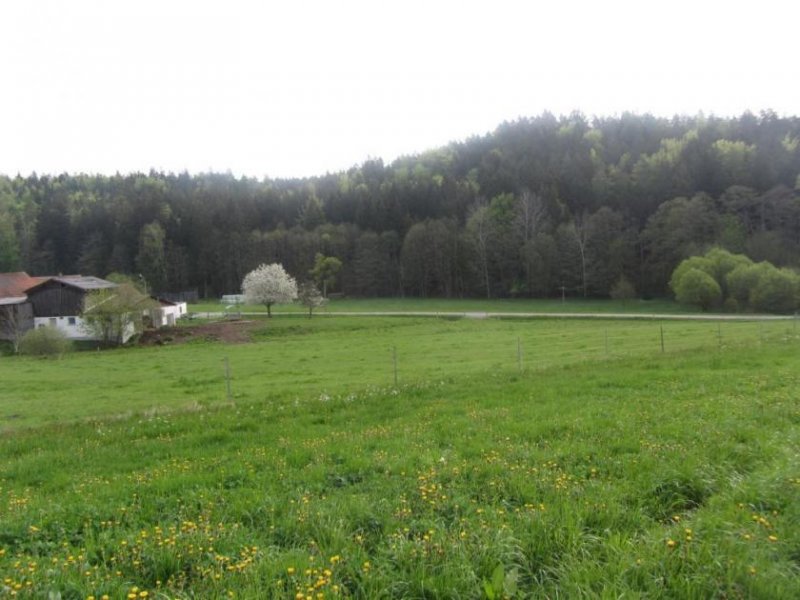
(512, 315)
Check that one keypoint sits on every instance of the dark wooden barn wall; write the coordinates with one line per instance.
(55, 299)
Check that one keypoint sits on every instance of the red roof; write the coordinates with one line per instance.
(13, 285)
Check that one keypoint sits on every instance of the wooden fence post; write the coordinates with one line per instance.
(228, 378)
(394, 363)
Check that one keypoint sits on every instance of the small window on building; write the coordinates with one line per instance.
(53, 321)
(71, 320)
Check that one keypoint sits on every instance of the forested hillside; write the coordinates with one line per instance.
(538, 204)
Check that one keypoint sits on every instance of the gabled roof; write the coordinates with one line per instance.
(87, 283)
(164, 301)
(13, 285)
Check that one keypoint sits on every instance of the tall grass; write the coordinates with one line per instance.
(638, 474)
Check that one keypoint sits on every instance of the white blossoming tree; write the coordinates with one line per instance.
(268, 285)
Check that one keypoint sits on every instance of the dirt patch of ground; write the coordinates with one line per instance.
(230, 332)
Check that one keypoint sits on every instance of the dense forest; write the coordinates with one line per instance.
(538, 205)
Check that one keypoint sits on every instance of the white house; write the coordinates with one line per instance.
(168, 312)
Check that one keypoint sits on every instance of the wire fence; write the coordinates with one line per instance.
(530, 348)
(428, 349)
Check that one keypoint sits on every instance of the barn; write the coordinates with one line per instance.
(16, 313)
(59, 302)
(27, 302)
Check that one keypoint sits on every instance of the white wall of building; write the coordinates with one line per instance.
(74, 328)
(168, 314)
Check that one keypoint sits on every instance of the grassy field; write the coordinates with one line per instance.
(603, 468)
(296, 358)
(572, 305)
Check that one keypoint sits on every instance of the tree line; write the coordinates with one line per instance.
(538, 207)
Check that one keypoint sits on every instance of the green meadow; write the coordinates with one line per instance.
(296, 358)
(510, 458)
(570, 305)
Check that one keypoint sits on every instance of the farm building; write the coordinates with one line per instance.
(59, 302)
(16, 313)
(27, 302)
(167, 313)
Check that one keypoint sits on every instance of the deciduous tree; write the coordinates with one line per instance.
(309, 296)
(151, 260)
(13, 324)
(268, 285)
(113, 314)
(325, 271)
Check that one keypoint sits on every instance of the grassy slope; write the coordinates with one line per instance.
(298, 358)
(663, 476)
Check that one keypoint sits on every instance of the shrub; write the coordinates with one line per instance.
(701, 263)
(722, 263)
(623, 289)
(45, 341)
(735, 282)
(699, 288)
(776, 291)
(731, 305)
(742, 281)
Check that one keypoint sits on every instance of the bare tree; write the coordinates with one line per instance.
(479, 225)
(529, 219)
(530, 215)
(310, 297)
(579, 230)
(14, 324)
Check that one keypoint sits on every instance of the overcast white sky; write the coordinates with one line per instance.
(294, 88)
